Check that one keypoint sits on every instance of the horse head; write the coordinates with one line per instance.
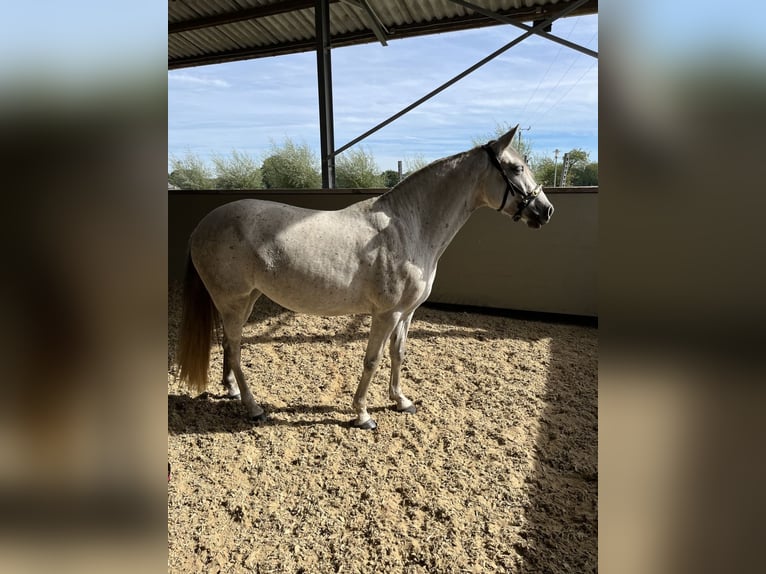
(523, 198)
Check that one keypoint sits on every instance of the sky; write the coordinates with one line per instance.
(249, 106)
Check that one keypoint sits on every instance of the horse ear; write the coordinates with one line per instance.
(504, 140)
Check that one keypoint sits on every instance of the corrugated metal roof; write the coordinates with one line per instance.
(215, 31)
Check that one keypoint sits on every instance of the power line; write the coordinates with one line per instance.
(545, 75)
(563, 96)
(550, 65)
(553, 90)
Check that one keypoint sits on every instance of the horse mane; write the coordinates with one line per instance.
(425, 175)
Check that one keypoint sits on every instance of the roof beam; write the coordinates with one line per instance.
(241, 15)
(377, 27)
(533, 30)
(467, 21)
(541, 32)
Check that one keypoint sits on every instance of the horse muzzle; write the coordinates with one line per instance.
(538, 213)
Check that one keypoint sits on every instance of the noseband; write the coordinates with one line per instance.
(510, 187)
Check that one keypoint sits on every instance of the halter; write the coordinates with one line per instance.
(511, 187)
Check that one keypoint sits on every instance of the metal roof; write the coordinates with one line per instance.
(210, 32)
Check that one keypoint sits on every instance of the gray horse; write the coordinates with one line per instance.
(377, 256)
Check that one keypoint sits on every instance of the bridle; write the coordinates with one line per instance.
(510, 187)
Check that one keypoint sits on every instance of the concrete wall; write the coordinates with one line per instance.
(493, 262)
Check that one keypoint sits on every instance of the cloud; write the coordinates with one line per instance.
(189, 79)
(539, 84)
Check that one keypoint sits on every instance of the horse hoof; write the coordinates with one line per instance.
(232, 397)
(261, 418)
(410, 410)
(369, 424)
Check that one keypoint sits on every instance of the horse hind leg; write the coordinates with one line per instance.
(229, 380)
(397, 347)
(234, 316)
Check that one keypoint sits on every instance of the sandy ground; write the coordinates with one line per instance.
(497, 472)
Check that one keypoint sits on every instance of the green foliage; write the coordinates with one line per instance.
(294, 166)
(581, 170)
(237, 172)
(190, 172)
(577, 159)
(586, 174)
(291, 166)
(390, 177)
(356, 168)
(544, 170)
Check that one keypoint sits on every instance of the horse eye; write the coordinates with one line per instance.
(519, 169)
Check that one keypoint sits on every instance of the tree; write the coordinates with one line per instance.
(357, 169)
(581, 171)
(577, 159)
(237, 172)
(190, 172)
(390, 177)
(544, 170)
(291, 166)
(586, 175)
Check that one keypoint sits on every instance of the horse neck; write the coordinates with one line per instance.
(439, 199)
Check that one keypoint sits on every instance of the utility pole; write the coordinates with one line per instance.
(521, 130)
(555, 165)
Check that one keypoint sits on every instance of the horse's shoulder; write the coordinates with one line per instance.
(365, 214)
(379, 221)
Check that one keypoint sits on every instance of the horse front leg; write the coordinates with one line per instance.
(397, 347)
(380, 331)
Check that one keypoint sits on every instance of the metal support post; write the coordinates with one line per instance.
(324, 79)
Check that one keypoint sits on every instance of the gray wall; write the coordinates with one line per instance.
(493, 262)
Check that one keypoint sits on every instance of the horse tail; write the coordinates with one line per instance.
(197, 326)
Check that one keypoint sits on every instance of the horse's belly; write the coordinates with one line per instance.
(315, 301)
(316, 287)
(347, 290)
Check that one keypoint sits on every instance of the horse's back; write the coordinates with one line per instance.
(243, 215)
